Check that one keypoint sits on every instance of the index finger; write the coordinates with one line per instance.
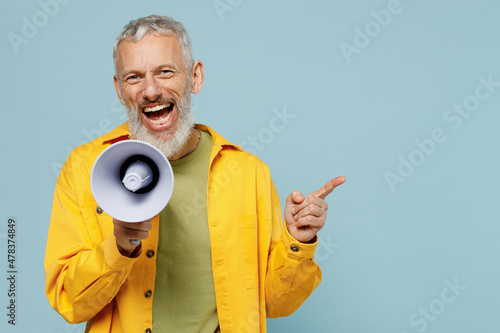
(329, 187)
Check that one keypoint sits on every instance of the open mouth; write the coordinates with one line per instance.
(160, 114)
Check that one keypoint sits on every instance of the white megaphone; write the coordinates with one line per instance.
(132, 181)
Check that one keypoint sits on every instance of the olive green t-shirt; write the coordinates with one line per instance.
(184, 297)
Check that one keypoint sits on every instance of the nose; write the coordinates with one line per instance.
(151, 90)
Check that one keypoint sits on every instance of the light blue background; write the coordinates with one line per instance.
(386, 252)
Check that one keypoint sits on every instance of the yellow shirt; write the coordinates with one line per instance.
(258, 269)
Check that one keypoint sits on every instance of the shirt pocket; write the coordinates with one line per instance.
(98, 224)
(248, 231)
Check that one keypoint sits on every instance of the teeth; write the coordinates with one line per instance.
(162, 120)
(157, 108)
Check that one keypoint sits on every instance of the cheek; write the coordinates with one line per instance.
(131, 96)
(176, 87)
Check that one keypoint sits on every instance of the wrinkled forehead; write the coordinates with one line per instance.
(151, 49)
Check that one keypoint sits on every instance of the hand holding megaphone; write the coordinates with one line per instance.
(129, 235)
(132, 181)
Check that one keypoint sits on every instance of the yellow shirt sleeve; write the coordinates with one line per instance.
(292, 273)
(83, 273)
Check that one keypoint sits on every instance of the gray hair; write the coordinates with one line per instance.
(158, 24)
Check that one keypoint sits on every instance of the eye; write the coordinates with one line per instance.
(166, 73)
(132, 78)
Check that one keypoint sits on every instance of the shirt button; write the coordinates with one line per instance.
(294, 248)
(148, 294)
(150, 253)
(99, 210)
(148, 330)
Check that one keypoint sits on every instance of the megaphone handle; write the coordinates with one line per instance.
(135, 241)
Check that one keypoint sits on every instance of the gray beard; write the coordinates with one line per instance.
(170, 147)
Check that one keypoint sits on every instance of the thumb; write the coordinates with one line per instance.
(294, 198)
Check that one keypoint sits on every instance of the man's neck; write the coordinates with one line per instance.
(190, 145)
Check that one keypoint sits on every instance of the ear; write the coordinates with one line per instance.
(117, 88)
(197, 73)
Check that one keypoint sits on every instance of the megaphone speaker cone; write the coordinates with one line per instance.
(111, 169)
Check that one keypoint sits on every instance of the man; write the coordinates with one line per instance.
(217, 258)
